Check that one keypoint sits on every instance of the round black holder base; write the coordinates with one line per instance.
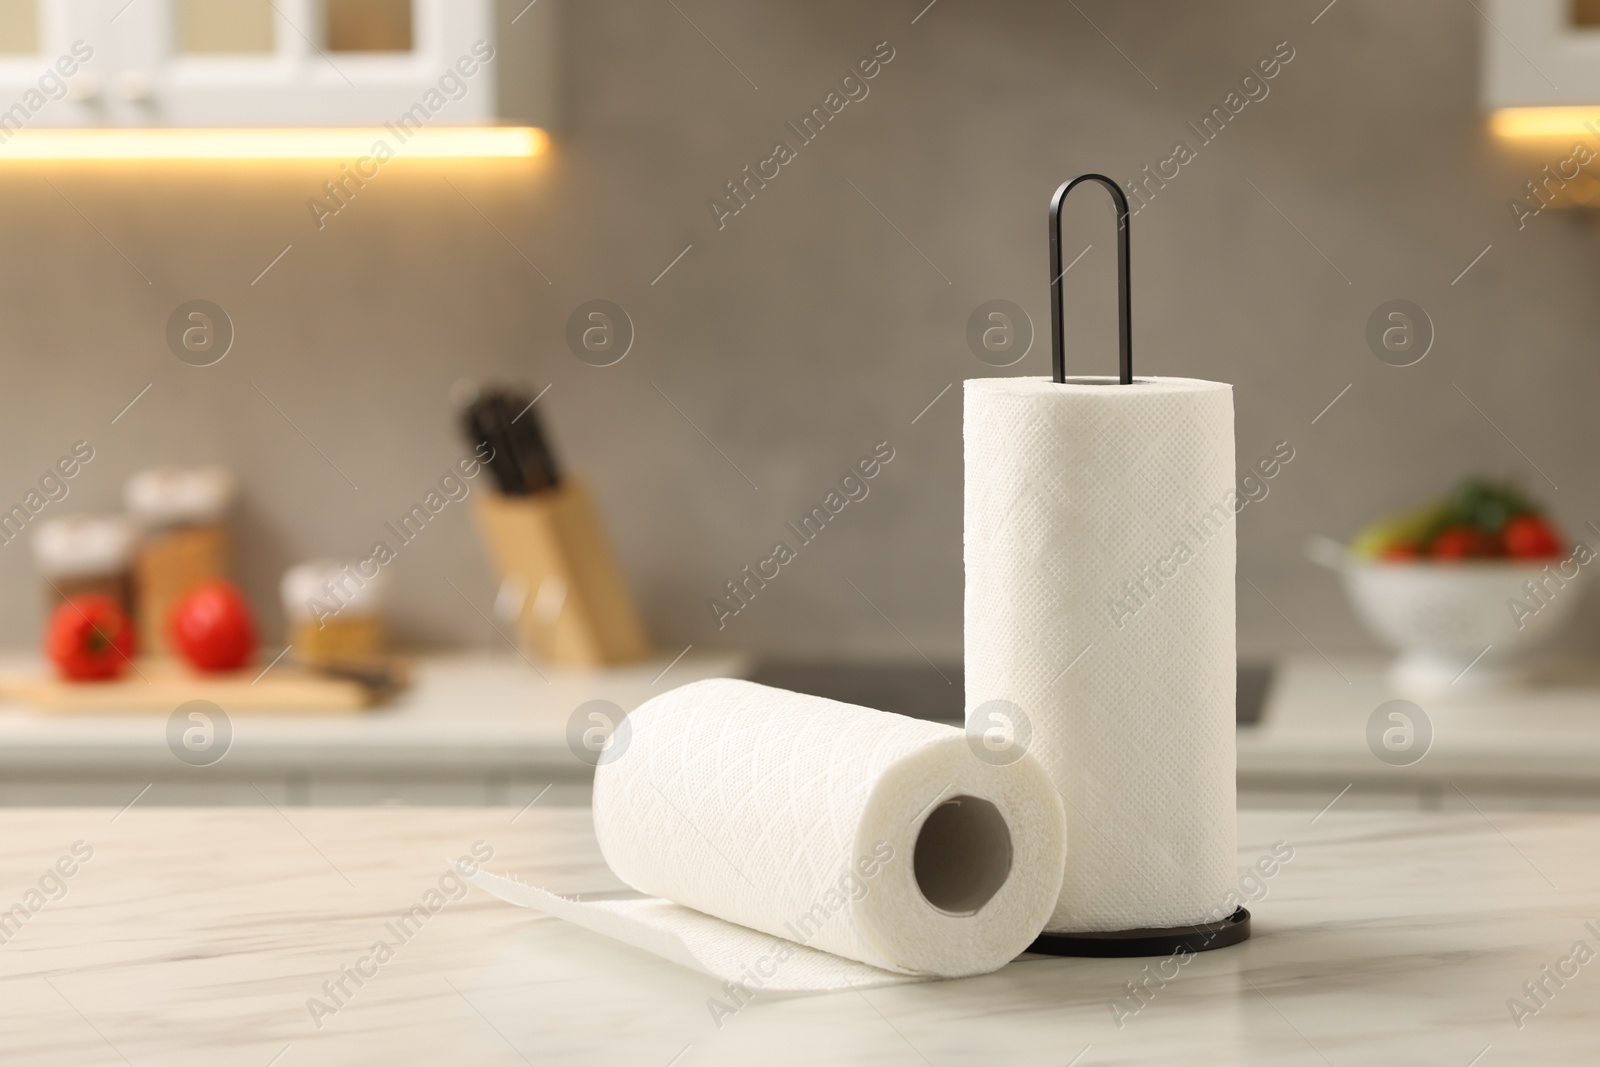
(1200, 937)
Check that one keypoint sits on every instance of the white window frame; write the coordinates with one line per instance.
(138, 78)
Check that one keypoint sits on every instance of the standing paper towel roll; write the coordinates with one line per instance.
(1099, 545)
(872, 836)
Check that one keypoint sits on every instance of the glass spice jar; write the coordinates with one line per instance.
(184, 539)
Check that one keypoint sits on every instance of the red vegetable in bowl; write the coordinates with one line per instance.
(1462, 542)
(1530, 537)
(1479, 520)
(212, 626)
(90, 638)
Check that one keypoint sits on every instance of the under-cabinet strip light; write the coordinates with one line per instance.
(459, 142)
(1546, 122)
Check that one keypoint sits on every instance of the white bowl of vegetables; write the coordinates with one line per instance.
(1464, 588)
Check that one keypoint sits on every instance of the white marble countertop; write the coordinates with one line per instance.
(1544, 737)
(198, 936)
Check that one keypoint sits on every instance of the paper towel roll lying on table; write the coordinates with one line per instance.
(875, 837)
(1099, 541)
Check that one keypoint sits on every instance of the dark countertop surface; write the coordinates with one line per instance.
(934, 692)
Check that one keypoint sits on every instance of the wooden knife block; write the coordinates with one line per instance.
(575, 608)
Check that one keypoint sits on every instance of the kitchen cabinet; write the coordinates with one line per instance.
(274, 63)
(1540, 53)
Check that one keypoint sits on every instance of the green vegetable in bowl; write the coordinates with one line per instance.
(1479, 519)
(1486, 505)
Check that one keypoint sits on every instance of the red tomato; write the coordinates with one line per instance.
(1462, 542)
(90, 637)
(212, 626)
(1530, 537)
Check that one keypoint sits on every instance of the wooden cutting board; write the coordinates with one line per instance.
(162, 684)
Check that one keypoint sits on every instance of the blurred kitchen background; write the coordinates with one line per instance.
(774, 350)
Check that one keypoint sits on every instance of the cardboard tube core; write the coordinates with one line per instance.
(963, 855)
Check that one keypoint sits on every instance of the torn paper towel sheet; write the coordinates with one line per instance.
(725, 951)
(848, 834)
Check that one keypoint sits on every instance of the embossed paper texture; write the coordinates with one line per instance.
(777, 835)
(1099, 550)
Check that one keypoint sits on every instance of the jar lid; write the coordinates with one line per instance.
(318, 587)
(175, 494)
(84, 544)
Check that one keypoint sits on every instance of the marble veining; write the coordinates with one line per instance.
(210, 936)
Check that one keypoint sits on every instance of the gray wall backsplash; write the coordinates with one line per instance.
(826, 315)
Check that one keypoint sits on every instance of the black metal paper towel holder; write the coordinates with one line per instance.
(1058, 359)
(1172, 941)
(1195, 937)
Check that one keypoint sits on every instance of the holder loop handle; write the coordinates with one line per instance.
(1058, 362)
